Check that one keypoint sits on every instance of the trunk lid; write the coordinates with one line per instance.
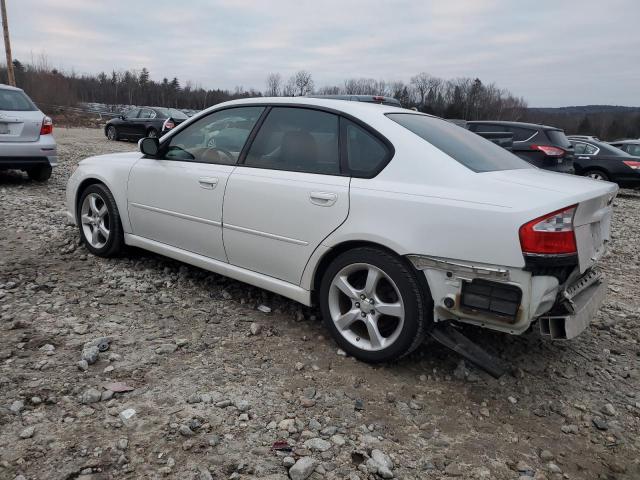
(592, 220)
(20, 126)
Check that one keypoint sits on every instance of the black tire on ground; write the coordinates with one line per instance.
(112, 133)
(418, 305)
(40, 174)
(596, 174)
(115, 243)
(152, 132)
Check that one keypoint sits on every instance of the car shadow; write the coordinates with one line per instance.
(14, 177)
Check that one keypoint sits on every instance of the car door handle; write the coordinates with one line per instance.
(323, 199)
(583, 158)
(208, 182)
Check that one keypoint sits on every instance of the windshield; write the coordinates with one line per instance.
(467, 148)
(15, 101)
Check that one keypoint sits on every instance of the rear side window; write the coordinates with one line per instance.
(487, 127)
(467, 148)
(558, 138)
(15, 101)
(521, 134)
(298, 140)
(366, 154)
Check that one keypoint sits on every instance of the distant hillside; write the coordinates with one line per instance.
(586, 109)
(609, 122)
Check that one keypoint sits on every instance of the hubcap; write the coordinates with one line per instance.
(95, 220)
(111, 133)
(366, 306)
(596, 176)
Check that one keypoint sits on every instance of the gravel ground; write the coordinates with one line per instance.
(198, 379)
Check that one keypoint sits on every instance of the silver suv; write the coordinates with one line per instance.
(26, 140)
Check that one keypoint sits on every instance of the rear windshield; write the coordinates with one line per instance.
(611, 150)
(468, 148)
(15, 101)
(558, 138)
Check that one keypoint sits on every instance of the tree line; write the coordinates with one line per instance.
(459, 98)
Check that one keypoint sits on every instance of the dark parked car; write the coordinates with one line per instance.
(502, 139)
(143, 122)
(632, 147)
(363, 98)
(601, 161)
(543, 146)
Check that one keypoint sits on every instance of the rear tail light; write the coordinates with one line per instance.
(551, 234)
(168, 124)
(633, 164)
(549, 150)
(47, 126)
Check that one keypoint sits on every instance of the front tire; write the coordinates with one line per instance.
(40, 174)
(152, 133)
(112, 133)
(596, 175)
(374, 305)
(99, 221)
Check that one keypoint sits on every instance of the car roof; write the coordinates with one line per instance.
(633, 142)
(514, 124)
(9, 87)
(351, 108)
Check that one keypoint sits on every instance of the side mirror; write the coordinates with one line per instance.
(149, 146)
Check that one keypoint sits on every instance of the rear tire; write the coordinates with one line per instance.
(596, 175)
(40, 174)
(99, 221)
(374, 305)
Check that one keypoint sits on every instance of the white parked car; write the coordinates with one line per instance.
(26, 140)
(390, 219)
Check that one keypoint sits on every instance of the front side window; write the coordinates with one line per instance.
(366, 154)
(131, 114)
(15, 101)
(297, 139)
(465, 147)
(216, 138)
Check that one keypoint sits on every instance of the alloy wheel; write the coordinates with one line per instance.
(366, 306)
(94, 216)
(596, 175)
(111, 133)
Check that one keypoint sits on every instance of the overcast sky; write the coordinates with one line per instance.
(553, 53)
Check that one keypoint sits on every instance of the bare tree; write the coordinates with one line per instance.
(421, 84)
(303, 83)
(274, 85)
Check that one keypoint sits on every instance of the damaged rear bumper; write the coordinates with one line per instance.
(509, 299)
(572, 315)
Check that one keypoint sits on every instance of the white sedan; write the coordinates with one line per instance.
(391, 220)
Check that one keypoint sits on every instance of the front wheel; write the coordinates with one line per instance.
(152, 133)
(40, 174)
(374, 305)
(99, 221)
(596, 175)
(112, 133)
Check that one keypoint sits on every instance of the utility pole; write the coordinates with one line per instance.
(7, 45)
